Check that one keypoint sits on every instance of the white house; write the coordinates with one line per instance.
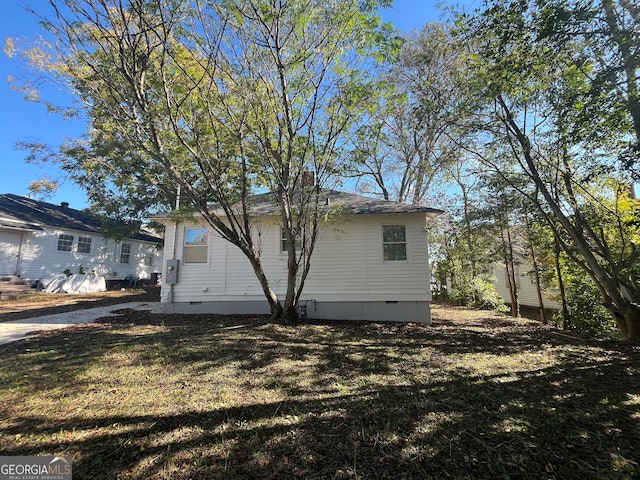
(39, 239)
(371, 262)
(527, 291)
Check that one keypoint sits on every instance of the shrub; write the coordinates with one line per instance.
(586, 312)
(478, 293)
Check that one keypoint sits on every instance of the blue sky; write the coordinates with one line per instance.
(22, 120)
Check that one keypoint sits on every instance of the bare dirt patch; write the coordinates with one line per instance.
(36, 304)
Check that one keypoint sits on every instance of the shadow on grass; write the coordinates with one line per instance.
(453, 400)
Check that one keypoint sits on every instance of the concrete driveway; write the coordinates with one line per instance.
(18, 329)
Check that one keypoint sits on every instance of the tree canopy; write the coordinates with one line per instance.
(559, 110)
(524, 117)
(220, 99)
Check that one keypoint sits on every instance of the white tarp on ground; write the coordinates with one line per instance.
(78, 283)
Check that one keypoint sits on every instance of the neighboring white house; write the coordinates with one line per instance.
(39, 239)
(370, 263)
(527, 292)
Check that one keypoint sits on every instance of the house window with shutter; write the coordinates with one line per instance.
(196, 245)
(394, 242)
(65, 242)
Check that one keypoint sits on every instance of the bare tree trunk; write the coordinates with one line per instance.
(566, 319)
(619, 299)
(536, 272)
(467, 229)
(536, 276)
(275, 306)
(511, 280)
(629, 323)
(290, 308)
(515, 307)
(626, 313)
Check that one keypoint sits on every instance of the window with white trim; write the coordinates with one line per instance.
(284, 243)
(148, 257)
(196, 245)
(394, 242)
(84, 245)
(125, 253)
(65, 242)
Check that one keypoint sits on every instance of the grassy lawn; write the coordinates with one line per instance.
(475, 395)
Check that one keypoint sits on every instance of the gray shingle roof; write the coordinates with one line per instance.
(23, 212)
(348, 203)
(264, 204)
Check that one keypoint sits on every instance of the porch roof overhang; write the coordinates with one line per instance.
(19, 226)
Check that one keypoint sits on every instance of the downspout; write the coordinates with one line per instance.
(20, 250)
(175, 240)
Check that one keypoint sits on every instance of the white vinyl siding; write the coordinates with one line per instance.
(347, 264)
(9, 252)
(40, 257)
(196, 277)
(527, 293)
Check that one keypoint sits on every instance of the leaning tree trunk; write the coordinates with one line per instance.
(624, 305)
(515, 308)
(511, 284)
(629, 323)
(290, 307)
(275, 306)
(625, 312)
(289, 312)
(631, 320)
(566, 319)
(507, 252)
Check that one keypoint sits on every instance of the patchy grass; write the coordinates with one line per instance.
(475, 395)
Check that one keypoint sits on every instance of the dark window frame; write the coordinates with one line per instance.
(394, 243)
